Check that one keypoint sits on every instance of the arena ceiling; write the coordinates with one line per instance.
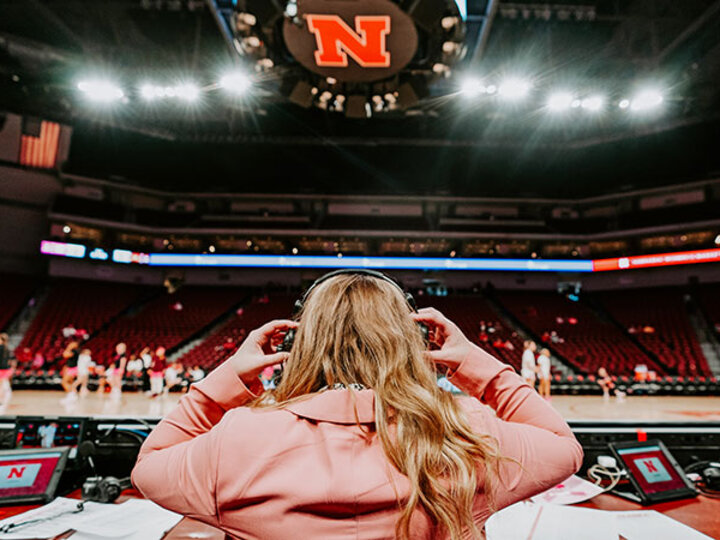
(447, 142)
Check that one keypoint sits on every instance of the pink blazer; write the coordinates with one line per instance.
(306, 471)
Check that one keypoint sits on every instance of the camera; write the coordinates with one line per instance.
(103, 489)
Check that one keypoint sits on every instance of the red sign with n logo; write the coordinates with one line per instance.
(351, 40)
(336, 40)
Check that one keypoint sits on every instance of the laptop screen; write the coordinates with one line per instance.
(26, 473)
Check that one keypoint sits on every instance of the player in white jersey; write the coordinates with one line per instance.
(543, 362)
(528, 368)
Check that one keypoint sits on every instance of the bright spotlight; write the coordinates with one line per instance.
(560, 101)
(593, 103)
(624, 103)
(187, 91)
(514, 89)
(150, 92)
(471, 87)
(291, 10)
(646, 100)
(236, 82)
(100, 90)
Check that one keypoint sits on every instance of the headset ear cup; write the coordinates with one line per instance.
(411, 300)
(425, 331)
(297, 307)
(287, 343)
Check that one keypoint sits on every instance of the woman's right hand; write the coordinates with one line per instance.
(454, 347)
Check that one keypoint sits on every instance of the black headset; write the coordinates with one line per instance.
(287, 343)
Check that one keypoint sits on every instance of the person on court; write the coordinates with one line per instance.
(157, 372)
(69, 371)
(528, 368)
(85, 362)
(115, 374)
(606, 383)
(7, 367)
(543, 373)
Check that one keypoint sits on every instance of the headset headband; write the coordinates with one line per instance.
(358, 272)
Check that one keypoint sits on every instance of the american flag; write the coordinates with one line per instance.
(39, 148)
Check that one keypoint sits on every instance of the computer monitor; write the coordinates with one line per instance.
(30, 475)
(48, 432)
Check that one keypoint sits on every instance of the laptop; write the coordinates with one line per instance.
(29, 476)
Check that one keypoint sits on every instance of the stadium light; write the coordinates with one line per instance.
(560, 101)
(150, 91)
(236, 82)
(187, 91)
(291, 10)
(646, 100)
(101, 91)
(471, 87)
(514, 88)
(624, 103)
(593, 103)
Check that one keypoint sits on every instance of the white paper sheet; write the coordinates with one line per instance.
(62, 519)
(649, 524)
(572, 491)
(135, 519)
(124, 520)
(530, 521)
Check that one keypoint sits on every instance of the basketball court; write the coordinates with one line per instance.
(645, 408)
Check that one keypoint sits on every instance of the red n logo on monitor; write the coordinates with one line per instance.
(650, 466)
(336, 40)
(16, 472)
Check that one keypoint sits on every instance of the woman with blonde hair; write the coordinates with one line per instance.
(357, 440)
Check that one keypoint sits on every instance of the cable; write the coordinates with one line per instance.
(114, 428)
(12, 526)
(141, 436)
(599, 473)
(695, 473)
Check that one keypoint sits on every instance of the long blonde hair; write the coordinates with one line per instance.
(358, 329)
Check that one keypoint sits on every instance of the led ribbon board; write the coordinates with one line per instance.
(662, 259)
(121, 256)
(389, 263)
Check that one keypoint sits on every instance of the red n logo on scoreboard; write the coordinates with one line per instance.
(335, 40)
(650, 466)
(16, 472)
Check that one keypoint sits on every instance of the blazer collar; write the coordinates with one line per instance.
(337, 406)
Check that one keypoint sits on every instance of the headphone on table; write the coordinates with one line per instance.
(287, 343)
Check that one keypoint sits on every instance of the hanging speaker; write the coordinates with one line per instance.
(426, 13)
(356, 107)
(301, 94)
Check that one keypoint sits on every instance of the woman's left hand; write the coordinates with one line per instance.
(256, 352)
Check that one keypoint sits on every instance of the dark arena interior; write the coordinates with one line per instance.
(176, 173)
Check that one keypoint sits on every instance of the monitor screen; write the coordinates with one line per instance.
(651, 469)
(27, 473)
(48, 432)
